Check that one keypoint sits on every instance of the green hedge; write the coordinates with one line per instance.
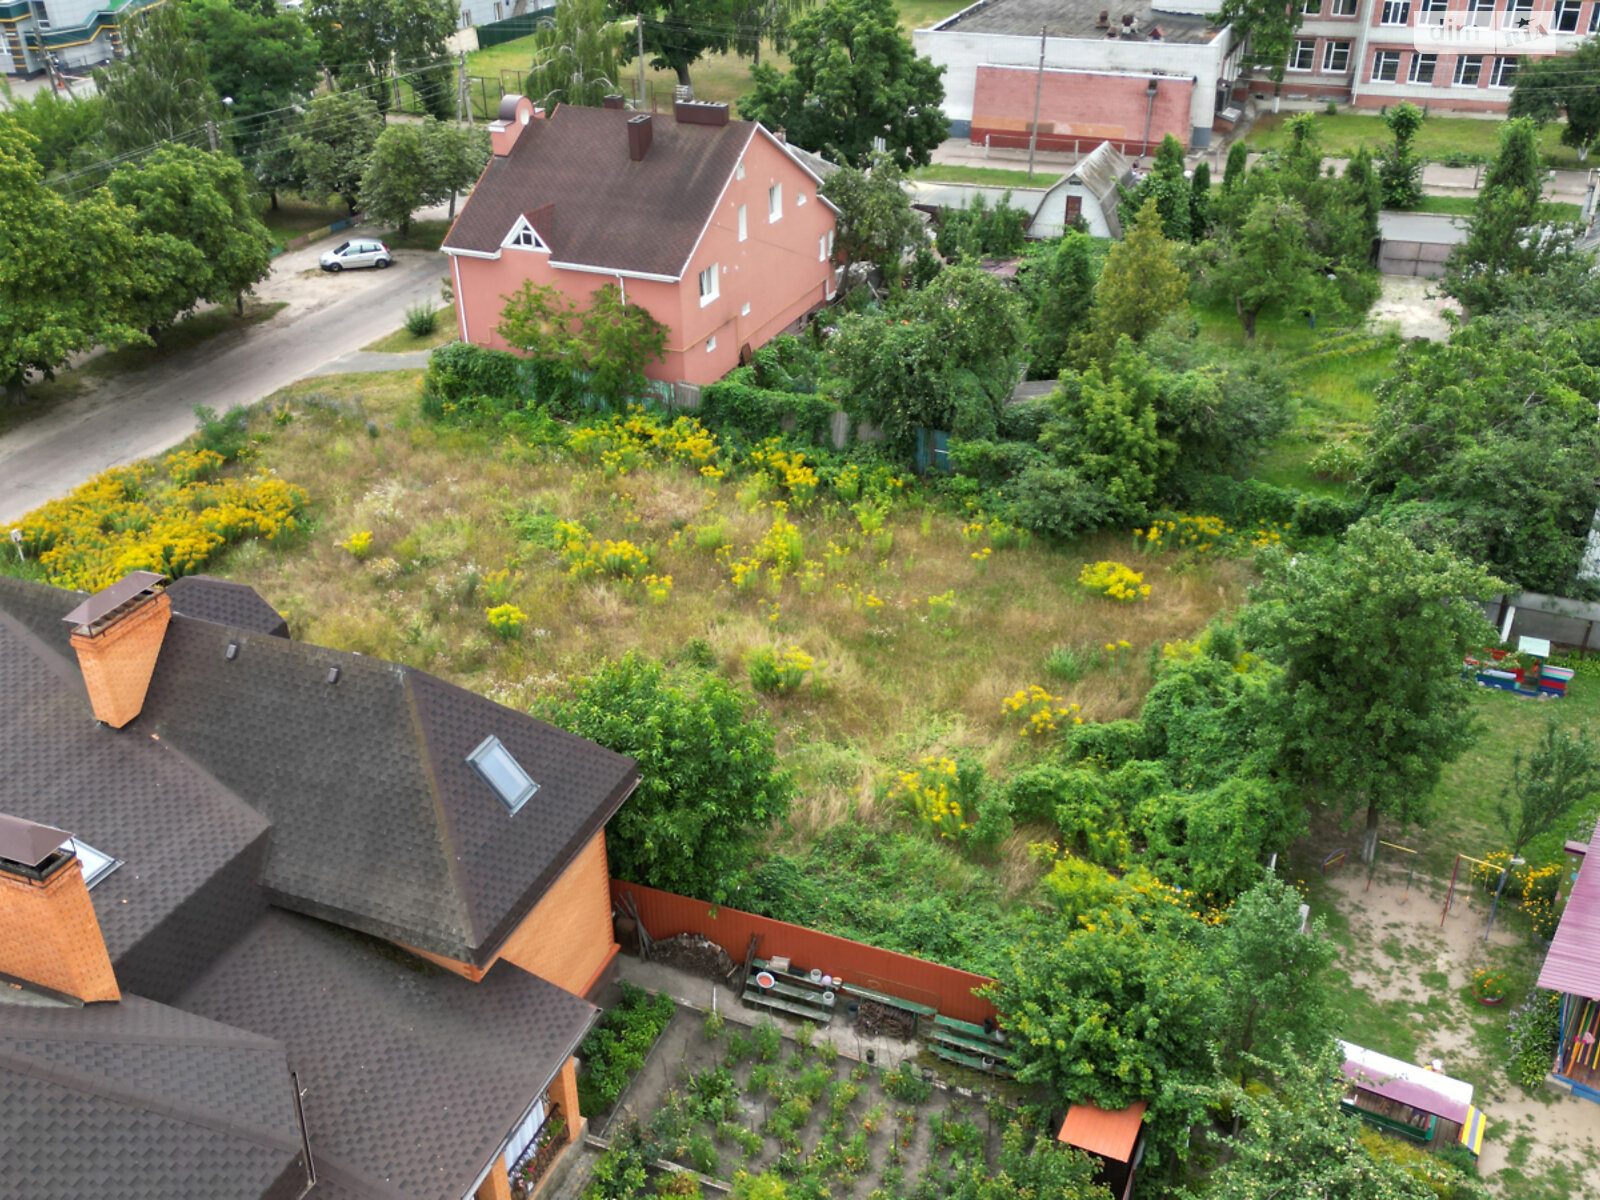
(615, 1049)
(736, 407)
(467, 382)
(1245, 501)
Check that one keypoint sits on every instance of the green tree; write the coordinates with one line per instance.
(578, 60)
(1547, 786)
(207, 201)
(65, 127)
(398, 178)
(946, 358)
(1238, 163)
(1400, 166)
(1114, 422)
(1370, 638)
(1506, 240)
(68, 272)
(620, 340)
(1140, 285)
(1487, 444)
(1200, 199)
(1168, 185)
(876, 222)
(679, 33)
(1059, 287)
(161, 90)
(1273, 980)
(364, 41)
(542, 321)
(1297, 1142)
(710, 782)
(266, 64)
(853, 78)
(766, 21)
(1267, 29)
(1268, 263)
(1568, 85)
(1360, 199)
(335, 142)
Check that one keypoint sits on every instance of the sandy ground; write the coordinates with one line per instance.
(1416, 306)
(1562, 1130)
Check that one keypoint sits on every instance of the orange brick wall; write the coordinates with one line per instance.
(49, 935)
(567, 937)
(1078, 107)
(564, 1092)
(118, 662)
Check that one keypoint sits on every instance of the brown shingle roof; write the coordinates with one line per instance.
(609, 211)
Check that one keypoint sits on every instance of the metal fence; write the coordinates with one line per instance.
(1562, 620)
(497, 32)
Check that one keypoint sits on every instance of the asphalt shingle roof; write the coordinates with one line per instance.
(410, 1077)
(223, 602)
(138, 1100)
(609, 211)
(191, 851)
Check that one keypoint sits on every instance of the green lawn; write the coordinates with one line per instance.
(920, 14)
(998, 176)
(1461, 206)
(296, 215)
(1344, 133)
(424, 235)
(403, 341)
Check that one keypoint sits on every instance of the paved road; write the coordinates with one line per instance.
(132, 416)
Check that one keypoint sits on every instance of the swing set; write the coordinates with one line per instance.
(1454, 871)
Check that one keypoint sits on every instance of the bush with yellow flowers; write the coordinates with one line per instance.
(507, 620)
(1201, 535)
(1037, 713)
(780, 673)
(941, 794)
(359, 544)
(1114, 580)
(172, 518)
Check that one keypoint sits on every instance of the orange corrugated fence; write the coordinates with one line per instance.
(666, 915)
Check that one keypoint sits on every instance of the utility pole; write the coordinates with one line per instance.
(638, 27)
(211, 135)
(1038, 94)
(463, 90)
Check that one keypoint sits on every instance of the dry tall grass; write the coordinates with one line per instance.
(893, 683)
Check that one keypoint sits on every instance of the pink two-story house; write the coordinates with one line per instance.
(710, 224)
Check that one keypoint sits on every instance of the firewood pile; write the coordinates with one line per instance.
(876, 1019)
(695, 954)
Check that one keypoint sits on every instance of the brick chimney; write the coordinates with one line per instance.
(515, 113)
(640, 131)
(699, 112)
(49, 935)
(117, 634)
(614, 100)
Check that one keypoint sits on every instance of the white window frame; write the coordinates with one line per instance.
(830, 243)
(1463, 61)
(711, 343)
(95, 864)
(745, 311)
(1480, 13)
(1311, 8)
(1414, 70)
(799, 199)
(1594, 19)
(738, 170)
(1329, 49)
(774, 203)
(1395, 12)
(1563, 7)
(1432, 12)
(1504, 72)
(1344, 8)
(1519, 14)
(1382, 59)
(1304, 55)
(822, 247)
(497, 766)
(710, 284)
(524, 236)
(744, 225)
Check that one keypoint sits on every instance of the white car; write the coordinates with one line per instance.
(357, 253)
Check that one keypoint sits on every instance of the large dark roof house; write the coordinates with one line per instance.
(280, 921)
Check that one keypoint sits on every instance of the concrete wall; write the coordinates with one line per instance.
(1080, 107)
(962, 54)
(781, 271)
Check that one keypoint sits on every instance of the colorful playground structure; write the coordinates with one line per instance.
(1526, 671)
(1572, 968)
(1420, 1104)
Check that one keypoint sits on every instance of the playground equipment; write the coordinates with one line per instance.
(1523, 672)
(1420, 1104)
(1411, 866)
(1450, 895)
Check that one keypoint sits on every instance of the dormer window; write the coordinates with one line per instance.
(96, 864)
(523, 236)
(497, 767)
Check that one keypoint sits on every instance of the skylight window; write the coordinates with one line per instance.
(96, 865)
(495, 764)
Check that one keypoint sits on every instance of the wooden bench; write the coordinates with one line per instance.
(968, 1044)
(996, 1066)
(819, 1014)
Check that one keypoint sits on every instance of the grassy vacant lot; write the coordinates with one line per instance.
(1346, 132)
(403, 341)
(898, 677)
(296, 215)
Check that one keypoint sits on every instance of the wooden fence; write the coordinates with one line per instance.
(949, 990)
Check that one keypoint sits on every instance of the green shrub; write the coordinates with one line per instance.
(906, 1084)
(755, 412)
(711, 1028)
(615, 1049)
(1532, 1030)
(704, 1155)
(462, 370)
(421, 320)
(769, 1041)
